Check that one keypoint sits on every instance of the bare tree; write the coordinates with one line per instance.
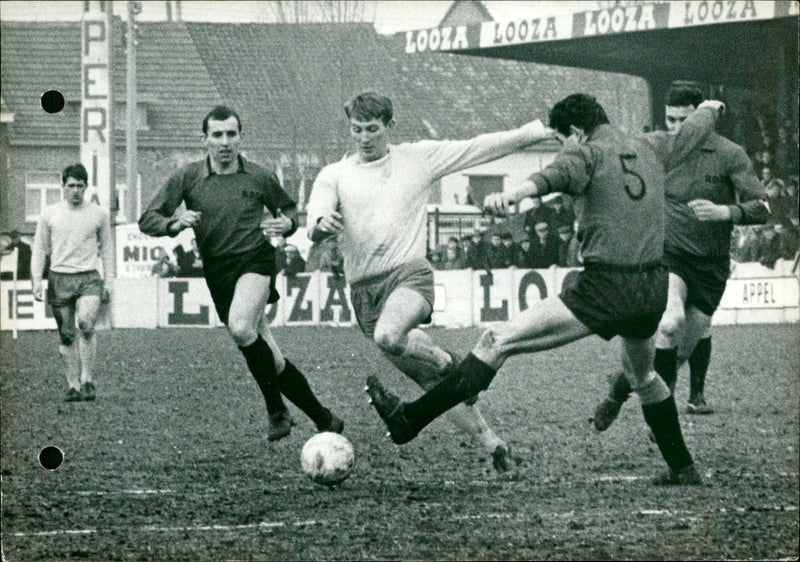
(325, 11)
(288, 11)
(340, 11)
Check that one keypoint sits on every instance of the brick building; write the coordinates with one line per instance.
(288, 82)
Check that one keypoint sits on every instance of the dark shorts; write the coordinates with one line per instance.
(63, 290)
(705, 278)
(615, 301)
(369, 295)
(223, 272)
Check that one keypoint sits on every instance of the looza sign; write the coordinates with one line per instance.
(754, 295)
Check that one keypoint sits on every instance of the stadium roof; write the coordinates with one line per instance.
(708, 41)
(289, 83)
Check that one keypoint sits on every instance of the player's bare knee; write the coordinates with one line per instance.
(242, 333)
(671, 324)
(86, 327)
(389, 341)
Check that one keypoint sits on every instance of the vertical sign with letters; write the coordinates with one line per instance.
(96, 106)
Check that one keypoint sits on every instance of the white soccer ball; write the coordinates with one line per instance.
(327, 458)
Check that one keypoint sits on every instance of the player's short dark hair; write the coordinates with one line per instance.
(506, 236)
(579, 110)
(368, 106)
(683, 95)
(221, 113)
(77, 171)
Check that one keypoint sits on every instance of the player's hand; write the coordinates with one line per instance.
(275, 225)
(331, 223)
(498, 204)
(716, 105)
(706, 211)
(538, 131)
(186, 219)
(37, 291)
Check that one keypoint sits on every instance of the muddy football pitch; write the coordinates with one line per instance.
(171, 461)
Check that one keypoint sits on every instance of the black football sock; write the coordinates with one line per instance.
(665, 364)
(294, 386)
(662, 417)
(620, 387)
(467, 380)
(698, 365)
(261, 362)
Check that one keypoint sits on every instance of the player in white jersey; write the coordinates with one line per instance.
(74, 232)
(375, 201)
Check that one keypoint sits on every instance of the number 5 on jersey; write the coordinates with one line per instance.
(635, 193)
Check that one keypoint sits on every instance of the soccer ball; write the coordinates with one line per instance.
(327, 458)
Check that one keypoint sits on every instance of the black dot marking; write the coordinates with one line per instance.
(51, 458)
(52, 101)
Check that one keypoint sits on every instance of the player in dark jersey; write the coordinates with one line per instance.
(225, 198)
(618, 185)
(713, 188)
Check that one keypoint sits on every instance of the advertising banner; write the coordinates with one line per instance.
(754, 294)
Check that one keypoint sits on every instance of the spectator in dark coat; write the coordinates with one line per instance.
(498, 254)
(477, 257)
(544, 246)
(511, 248)
(568, 247)
(190, 264)
(23, 255)
(536, 214)
(292, 262)
(522, 255)
(562, 212)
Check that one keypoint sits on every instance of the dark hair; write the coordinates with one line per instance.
(221, 113)
(506, 236)
(76, 171)
(579, 110)
(368, 106)
(683, 95)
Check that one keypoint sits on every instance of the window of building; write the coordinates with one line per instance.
(41, 189)
(482, 185)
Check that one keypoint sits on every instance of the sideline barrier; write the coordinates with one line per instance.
(754, 295)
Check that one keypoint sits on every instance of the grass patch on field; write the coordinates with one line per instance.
(171, 461)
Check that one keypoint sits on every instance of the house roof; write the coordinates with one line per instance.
(41, 56)
(463, 12)
(289, 83)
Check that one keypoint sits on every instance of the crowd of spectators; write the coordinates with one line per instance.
(323, 256)
(548, 239)
(183, 263)
(774, 152)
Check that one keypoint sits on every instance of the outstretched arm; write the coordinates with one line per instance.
(447, 157)
(699, 125)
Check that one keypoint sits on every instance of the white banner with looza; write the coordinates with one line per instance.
(754, 295)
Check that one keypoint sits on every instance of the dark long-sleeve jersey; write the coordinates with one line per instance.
(718, 171)
(618, 183)
(232, 206)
